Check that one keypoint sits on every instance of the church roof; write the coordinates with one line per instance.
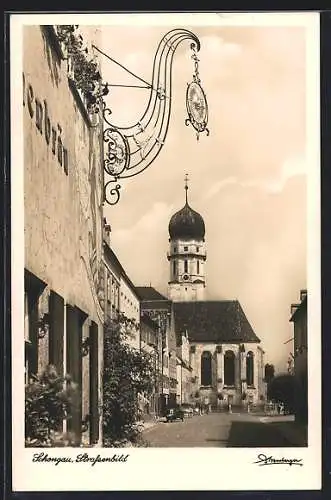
(213, 321)
(187, 224)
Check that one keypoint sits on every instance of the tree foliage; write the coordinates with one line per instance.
(269, 372)
(127, 372)
(49, 400)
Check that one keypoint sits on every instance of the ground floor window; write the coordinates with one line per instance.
(75, 319)
(33, 288)
(94, 383)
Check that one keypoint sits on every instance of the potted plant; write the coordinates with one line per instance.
(83, 70)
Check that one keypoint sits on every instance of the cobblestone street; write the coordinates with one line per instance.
(226, 430)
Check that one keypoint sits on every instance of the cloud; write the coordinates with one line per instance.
(216, 45)
(218, 186)
(142, 246)
(292, 167)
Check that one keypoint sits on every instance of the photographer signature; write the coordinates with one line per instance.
(263, 459)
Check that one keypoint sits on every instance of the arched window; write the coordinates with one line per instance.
(185, 266)
(206, 368)
(198, 267)
(229, 368)
(250, 368)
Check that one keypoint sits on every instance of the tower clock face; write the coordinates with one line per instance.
(185, 277)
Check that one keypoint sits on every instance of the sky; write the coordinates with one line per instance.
(247, 178)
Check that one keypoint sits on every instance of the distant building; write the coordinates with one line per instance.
(112, 279)
(187, 255)
(184, 371)
(120, 294)
(151, 343)
(225, 354)
(299, 319)
(63, 285)
(160, 310)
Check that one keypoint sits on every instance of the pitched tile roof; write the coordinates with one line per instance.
(149, 293)
(213, 321)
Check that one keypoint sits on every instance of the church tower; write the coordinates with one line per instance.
(187, 255)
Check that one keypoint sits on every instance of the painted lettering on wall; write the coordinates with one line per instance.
(38, 111)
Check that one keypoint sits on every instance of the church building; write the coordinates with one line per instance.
(225, 353)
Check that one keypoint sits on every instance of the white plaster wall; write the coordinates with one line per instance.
(187, 290)
(63, 211)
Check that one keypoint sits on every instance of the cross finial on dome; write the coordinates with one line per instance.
(186, 186)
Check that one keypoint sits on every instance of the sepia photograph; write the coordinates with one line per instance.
(167, 275)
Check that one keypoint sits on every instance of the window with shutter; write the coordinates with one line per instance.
(94, 384)
(56, 331)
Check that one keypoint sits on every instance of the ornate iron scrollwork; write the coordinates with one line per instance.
(117, 154)
(130, 150)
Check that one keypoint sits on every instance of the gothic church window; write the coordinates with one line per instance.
(206, 376)
(250, 368)
(229, 368)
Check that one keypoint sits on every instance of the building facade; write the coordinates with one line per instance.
(63, 197)
(151, 343)
(121, 297)
(187, 255)
(225, 356)
(299, 320)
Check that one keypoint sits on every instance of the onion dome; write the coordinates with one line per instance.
(187, 223)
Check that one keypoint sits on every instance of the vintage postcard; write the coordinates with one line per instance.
(166, 327)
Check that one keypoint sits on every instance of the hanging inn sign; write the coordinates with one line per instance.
(130, 150)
